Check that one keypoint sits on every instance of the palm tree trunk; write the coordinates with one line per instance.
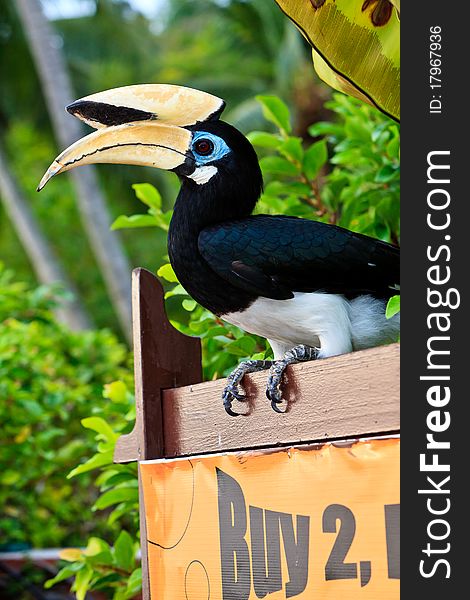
(45, 263)
(96, 220)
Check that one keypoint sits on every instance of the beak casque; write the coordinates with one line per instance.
(137, 125)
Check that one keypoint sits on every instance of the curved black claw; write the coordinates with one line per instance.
(231, 391)
(275, 407)
(230, 394)
(228, 408)
(273, 393)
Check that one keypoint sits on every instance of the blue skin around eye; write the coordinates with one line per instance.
(220, 148)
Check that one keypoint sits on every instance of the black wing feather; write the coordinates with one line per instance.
(274, 256)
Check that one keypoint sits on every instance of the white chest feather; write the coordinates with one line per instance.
(327, 321)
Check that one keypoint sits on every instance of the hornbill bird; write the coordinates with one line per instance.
(313, 290)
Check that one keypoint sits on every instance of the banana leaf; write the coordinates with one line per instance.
(356, 46)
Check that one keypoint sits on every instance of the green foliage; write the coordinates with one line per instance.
(155, 217)
(110, 569)
(362, 192)
(255, 34)
(50, 378)
(393, 307)
(276, 111)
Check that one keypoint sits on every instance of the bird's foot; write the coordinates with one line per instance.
(299, 353)
(232, 389)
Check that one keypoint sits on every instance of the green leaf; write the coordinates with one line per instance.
(279, 188)
(314, 159)
(244, 346)
(96, 546)
(124, 552)
(378, 131)
(105, 446)
(120, 511)
(167, 273)
(124, 222)
(134, 583)
(98, 460)
(292, 149)
(393, 307)
(82, 582)
(275, 111)
(189, 304)
(325, 128)
(162, 220)
(71, 554)
(348, 157)
(100, 426)
(64, 573)
(116, 391)
(106, 581)
(264, 139)
(178, 290)
(386, 174)
(213, 331)
(358, 130)
(278, 166)
(355, 47)
(393, 148)
(148, 194)
(116, 478)
(9, 477)
(115, 496)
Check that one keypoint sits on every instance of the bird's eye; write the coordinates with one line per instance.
(204, 147)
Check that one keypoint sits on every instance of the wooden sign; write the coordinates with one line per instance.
(319, 522)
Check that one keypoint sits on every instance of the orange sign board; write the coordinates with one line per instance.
(317, 523)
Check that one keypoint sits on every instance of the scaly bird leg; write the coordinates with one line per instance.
(231, 391)
(299, 353)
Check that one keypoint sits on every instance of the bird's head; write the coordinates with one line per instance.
(165, 126)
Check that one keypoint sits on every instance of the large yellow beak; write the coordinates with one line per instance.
(137, 125)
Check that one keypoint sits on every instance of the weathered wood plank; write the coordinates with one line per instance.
(351, 395)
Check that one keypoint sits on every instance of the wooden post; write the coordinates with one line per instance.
(163, 358)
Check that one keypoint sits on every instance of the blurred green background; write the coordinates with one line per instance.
(243, 49)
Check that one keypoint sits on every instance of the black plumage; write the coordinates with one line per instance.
(274, 256)
(226, 258)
